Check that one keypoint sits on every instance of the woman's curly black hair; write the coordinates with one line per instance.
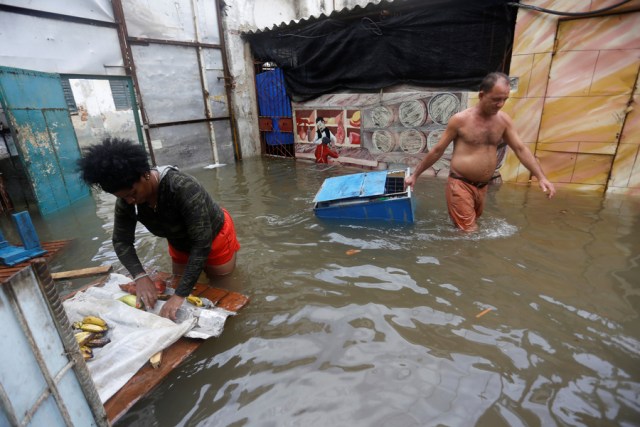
(113, 165)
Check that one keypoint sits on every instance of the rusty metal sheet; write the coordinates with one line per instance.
(265, 124)
(285, 124)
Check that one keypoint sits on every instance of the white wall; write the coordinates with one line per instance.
(56, 46)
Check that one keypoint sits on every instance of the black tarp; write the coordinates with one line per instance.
(430, 43)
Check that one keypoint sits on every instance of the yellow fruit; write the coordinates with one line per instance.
(83, 337)
(130, 300)
(156, 359)
(87, 353)
(77, 325)
(94, 320)
(195, 300)
(88, 327)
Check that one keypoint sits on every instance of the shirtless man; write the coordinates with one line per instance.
(476, 133)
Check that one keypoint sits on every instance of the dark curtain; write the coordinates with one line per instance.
(437, 44)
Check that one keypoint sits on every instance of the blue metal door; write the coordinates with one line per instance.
(42, 129)
(274, 105)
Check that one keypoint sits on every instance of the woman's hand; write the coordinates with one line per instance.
(170, 307)
(146, 292)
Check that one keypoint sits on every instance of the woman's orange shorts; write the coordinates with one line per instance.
(222, 248)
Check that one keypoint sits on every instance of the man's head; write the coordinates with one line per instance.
(494, 92)
(320, 123)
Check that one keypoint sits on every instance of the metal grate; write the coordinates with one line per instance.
(120, 93)
(394, 185)
(68, 96)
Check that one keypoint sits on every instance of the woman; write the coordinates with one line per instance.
(170, 204)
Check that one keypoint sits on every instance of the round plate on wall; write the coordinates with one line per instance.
(412, 141)
(382, 116)
(383, 140)
(442, 106)
(412, 113)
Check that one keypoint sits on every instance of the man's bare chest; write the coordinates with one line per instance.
(481, 134)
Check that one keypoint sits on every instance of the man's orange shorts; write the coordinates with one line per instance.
(465, 203)
(222, 248)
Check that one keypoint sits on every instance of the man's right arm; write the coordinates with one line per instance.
(450, 134)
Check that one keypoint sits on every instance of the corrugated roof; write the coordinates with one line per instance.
(345, 13)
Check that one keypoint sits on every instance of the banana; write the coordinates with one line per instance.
(84, 337)
(88, 327)
(77, 325)
(129, 300)
(87, 353)
(94, 320)
(98, 342)
(195, 300)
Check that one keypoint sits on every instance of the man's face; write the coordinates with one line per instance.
(321, 125)
(494, 100)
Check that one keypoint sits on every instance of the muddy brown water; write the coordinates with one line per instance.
(399, 334)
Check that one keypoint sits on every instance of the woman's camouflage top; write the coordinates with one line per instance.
(185, 215)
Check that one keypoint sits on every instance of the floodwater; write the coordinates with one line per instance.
(399, 334)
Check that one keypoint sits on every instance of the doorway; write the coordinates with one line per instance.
(590, 87)
(42, 136)
(275, 120)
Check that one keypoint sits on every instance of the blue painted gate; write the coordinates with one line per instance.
(274, 105)
(44, 135)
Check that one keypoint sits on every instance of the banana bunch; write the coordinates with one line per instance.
(195, 300)
(91, 333)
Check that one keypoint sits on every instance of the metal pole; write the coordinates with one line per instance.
(228, 79)
(203, 83)
(130, 69)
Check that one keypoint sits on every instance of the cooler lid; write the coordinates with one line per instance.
(354, 185)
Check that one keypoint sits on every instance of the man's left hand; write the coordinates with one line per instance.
(547, 187)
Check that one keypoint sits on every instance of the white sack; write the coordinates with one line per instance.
(135, 334)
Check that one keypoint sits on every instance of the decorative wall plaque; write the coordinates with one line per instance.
(412, 141)
(382, 116)
(412, 113)
(442, 106)
(383, 140)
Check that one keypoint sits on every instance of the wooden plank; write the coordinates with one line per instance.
(233, 301)
(83, 272)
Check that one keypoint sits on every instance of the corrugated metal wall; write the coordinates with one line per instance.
(274, 106)
(179, 65)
